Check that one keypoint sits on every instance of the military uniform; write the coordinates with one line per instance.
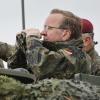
(1, 64)
(5, 52)
(87, 32)
(59, 60)
(48, 89)
(95, 61)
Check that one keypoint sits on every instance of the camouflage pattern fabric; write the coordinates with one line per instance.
(6, 51)
(95, 62)
(48, 89)
(96, 68)
(1, 64)
(18, 59)
(45, 59)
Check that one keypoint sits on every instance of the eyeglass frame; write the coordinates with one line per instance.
(47, 27)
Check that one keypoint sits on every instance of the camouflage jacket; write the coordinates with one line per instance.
(1, 64)
(44, 59)
(48, 89)
(95, 61)
(6, 51)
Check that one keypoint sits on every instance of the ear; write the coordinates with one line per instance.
(66, 35)
(87, 41)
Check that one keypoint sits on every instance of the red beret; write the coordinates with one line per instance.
(87, 26)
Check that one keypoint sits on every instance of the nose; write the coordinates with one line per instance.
(44, 33)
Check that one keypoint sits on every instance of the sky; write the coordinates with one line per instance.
(37, 10)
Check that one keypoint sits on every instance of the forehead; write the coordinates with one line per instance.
(86, 35)
(54, 19)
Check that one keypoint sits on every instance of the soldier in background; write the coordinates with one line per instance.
(59, 55)
(89, 45)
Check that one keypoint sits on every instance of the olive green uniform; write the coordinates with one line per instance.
(5, 52)
(59, 60)
(95, 61)
(1, 64)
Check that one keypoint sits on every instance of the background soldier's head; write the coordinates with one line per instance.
(87, 34)
(61, 25)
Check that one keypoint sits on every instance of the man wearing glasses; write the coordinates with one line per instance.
(59, 55)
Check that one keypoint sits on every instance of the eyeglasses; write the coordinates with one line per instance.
(46, 27)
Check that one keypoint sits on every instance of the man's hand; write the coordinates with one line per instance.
(31, 32)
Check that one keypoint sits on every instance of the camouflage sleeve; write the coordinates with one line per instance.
(1, 64)
(45, 63)
(6, 51)
(96, 66)
(48, 89)
(41, 60)
(86, 64)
